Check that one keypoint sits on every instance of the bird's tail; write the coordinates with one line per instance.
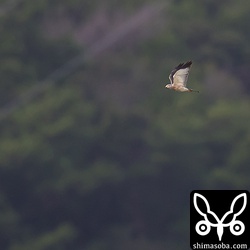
(191, 90)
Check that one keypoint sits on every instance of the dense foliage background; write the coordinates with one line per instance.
(95, 153)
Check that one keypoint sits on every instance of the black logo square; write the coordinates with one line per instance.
(219, 219)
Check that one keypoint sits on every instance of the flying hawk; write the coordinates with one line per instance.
(178, 78)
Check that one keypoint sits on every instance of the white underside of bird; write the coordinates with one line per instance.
(178, 78)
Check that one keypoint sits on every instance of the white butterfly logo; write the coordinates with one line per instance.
(236, 227)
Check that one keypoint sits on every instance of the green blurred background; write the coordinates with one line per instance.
(95, 154)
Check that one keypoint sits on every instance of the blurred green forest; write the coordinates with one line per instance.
(95, 153)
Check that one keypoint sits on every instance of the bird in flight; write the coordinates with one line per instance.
(178, 78)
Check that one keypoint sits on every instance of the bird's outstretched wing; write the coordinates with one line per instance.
(179, 76)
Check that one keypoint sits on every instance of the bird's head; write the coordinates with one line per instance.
(168, 86)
